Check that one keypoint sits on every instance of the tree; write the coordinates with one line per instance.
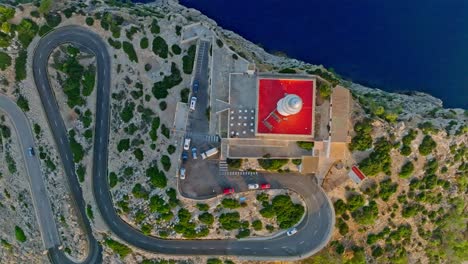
(363, 139)
(45, 6)
(325, 90)
(19, 234)
(406, 170)
(427, 145)
(206, 218)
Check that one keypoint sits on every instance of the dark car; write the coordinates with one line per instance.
(195, 87)
(184, 156)
(31, 152)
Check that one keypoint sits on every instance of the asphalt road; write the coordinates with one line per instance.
(42, 208)
(314, 230)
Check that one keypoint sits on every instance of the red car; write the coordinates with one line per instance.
(265, 186)
(228, 191)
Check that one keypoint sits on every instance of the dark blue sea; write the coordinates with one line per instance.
(397, 45)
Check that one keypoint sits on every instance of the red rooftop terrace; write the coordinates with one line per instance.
(285, 106)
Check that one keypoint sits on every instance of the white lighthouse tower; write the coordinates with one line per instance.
(291, 104)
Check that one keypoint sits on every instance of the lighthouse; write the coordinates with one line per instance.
(291, 104)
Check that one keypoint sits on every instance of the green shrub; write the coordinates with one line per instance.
(243, 233)
(171, 149)
(257, 225)
(27, 30)
(89, 212)
(19, 234)
(406, 170)
(157, 204)
(128, 48)
(120, 249)
(81, 171)
(184, 95)
(297, 162)
(166, 162)
(366, 215)
(203, 207)
(165, 131)
(130, 32)
(89, 79)
(427, 145)
(160, 47)
(138, 153)
(127, 113)
(219, 43)
(188, 60)
(340, 207)
(272, 164)
(89, 21)
(172, 194)
(287, 213)
(112, 179)
(76, 148)
(157, 177)
(44, 29)
(342, 227)
(234, 163)
(379, 160)
(114, 43)
(53, 19)
(267, 211)
(20, 65)
(214, 261)
(230, 203)
(160, 88)
(230, 221)
(144, 43)
(176, 49)
(153, 133)
(206, 218)
(386, 189)
(263, 197)
(287, 70)
(305, 145)
(123, 145)
(23, 103)
(163, 105)
(5, 60)
(363, 139)
(140, 192)
(155, 27)
(355, 201)
(325, 90)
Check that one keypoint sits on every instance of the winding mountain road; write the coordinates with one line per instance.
(314, 231)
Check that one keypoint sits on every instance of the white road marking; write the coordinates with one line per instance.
(61, 141)
(246, 248)
(302, 242)
(55, 122)
(284, 247)
(265, 248)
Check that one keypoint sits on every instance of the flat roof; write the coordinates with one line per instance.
(270, 91)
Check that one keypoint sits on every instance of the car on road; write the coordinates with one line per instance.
(31, 152)
(265, 186)
(194, 153)
(253, 186)
(227, 191)
(195, 87)
(193, 102)
(187, 143)
(182, 173)
(184, 156)
(291, 231)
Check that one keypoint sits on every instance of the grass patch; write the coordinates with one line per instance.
(89, 212)
(121, 249)
(272, 164)
(305, 145)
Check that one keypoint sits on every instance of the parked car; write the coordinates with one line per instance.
(182, 173)
(265, 186)
(291, 231)
(194, 153)
(253, 186)
(187, 143)
(228, 191)
(195, 87)
(31, 152)
(193, 102)
(184, 156)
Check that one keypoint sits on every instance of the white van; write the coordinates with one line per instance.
(187, 143)
(209, 153)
